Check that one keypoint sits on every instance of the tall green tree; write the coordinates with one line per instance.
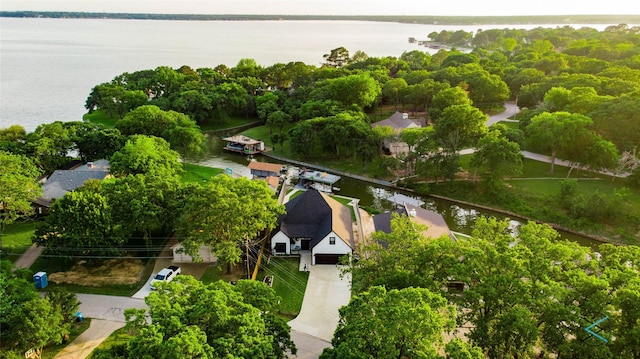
(459, 126)
(338, 57)
(12, 139)
(218, 320)
(392, 324)
(445, 98)
(498, 157)
(146, 155)
(18, 187)
(80, 224)
(360, 90)
(226, 214)
(28, 321)
(556, 131)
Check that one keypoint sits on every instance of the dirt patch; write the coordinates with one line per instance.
(110, 272)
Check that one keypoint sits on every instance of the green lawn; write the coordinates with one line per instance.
(229, 122)
(200, 174)
(17, 238)
(215, 273)
(288, 282)
(101, 118)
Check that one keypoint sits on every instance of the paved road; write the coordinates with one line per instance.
(510, 110)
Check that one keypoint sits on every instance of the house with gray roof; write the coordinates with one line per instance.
(316, 222)
(398, 122)
(62, 181)
(436, 225)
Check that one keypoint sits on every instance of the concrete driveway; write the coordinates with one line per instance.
(326, 292)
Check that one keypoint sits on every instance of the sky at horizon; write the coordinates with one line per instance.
(335, 7)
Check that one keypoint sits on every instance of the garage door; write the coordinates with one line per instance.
(328, 258)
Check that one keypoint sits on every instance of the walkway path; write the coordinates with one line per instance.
(86, 342)
(510, 110)
(29, 256)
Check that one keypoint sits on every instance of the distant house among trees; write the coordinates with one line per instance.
(398, 122)
(316, 222)
(62, 181)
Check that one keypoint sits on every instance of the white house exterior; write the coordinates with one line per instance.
(329, 249)
(316, 222)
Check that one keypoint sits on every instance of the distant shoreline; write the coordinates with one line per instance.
(410, 19)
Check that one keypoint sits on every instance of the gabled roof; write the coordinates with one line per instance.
(397, 121)
(314, 215)
(340, 220)
(436, 225)
(62, 181)
(264, 166)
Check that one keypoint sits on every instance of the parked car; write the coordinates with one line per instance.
(165, 275)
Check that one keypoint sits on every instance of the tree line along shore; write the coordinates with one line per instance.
(414, 19)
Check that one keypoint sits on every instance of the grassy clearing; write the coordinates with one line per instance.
(102, 118)
(228, 122)
(288, 282)
(199, 174)
(215, 273)
(17, 238)
(78, 328)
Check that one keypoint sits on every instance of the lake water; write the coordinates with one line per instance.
(49, 66)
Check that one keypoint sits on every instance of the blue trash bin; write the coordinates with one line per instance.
(40, 279)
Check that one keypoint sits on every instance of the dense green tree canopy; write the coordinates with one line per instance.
(226, 213)
(392, 324)
(217, 320)
(18, 187)
(27, 320)
(524, 293)
(459, 126)
(146, 155)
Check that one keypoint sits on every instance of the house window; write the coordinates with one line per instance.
(281, 248)
(332, 240)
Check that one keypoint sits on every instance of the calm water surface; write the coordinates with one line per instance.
(49, 66)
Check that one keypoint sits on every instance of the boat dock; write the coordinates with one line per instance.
(244, 145)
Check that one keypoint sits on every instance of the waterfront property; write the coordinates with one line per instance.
(321, 181)
(268, 172)
(243, 144)
(318, 223)
(264, 169)
(436, 225)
